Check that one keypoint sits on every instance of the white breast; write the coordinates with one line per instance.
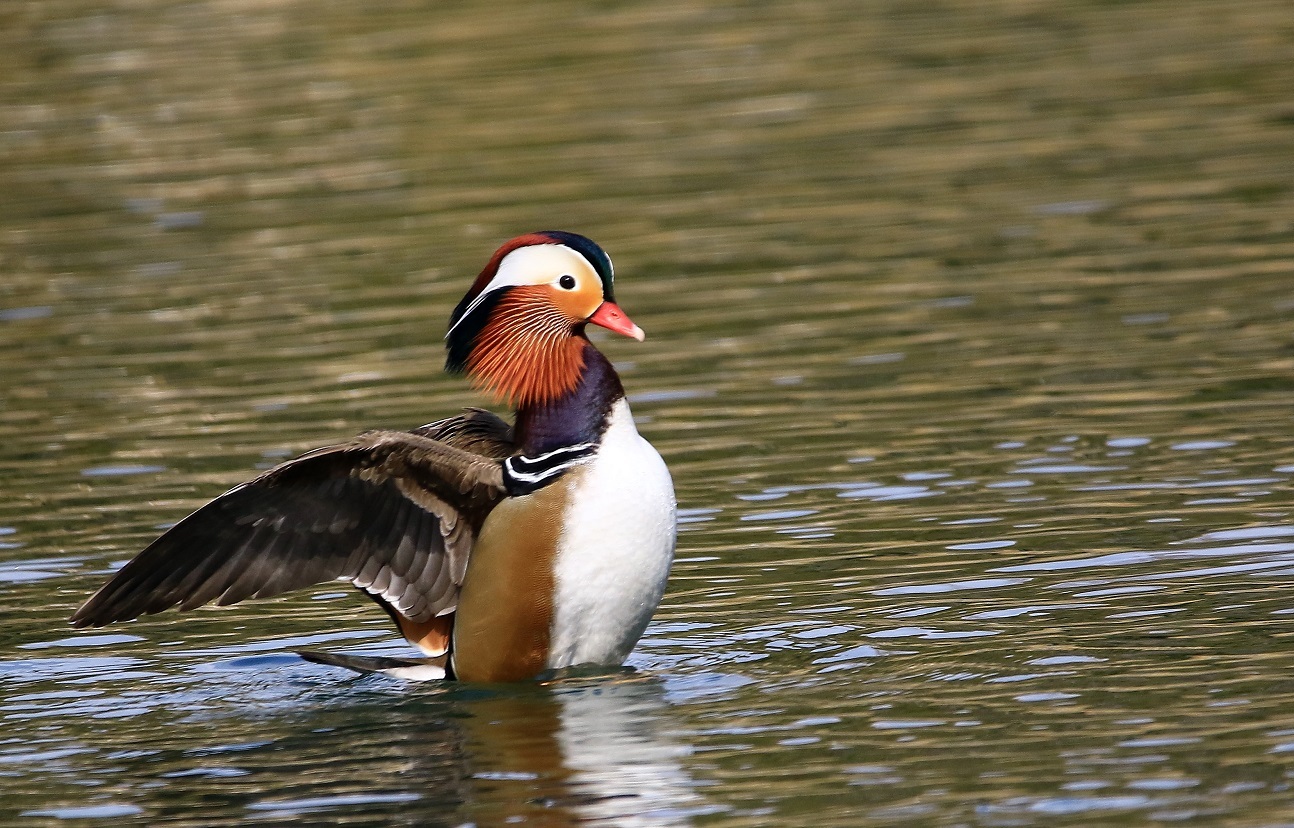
(613, 557)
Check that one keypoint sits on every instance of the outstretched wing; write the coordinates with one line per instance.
(396, 513)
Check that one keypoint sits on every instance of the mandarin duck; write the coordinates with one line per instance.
(501, 552)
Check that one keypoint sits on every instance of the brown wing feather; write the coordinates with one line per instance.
(394, 512)
(475, 430)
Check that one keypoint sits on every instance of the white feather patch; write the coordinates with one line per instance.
(614, 555)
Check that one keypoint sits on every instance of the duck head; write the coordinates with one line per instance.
(519, 331)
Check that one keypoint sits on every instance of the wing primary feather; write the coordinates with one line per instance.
(211, 576)
(249, 567)
(137, 589)
(295, 567)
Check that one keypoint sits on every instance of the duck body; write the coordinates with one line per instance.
(615, 551)
(502, 552)
(570, 572)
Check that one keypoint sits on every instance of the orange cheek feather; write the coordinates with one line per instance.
(526, 354)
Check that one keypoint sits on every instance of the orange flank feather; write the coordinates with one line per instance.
(432, 637)
(526, 355)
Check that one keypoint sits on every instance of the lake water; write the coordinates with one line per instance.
(969, 345)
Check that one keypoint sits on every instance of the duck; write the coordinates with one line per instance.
(502, 551)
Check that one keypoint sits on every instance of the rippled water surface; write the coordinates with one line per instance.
(969, 348)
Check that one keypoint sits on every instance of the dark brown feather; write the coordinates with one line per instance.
(394, 512)
(475, 430)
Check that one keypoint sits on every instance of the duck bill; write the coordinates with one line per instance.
(609, 316)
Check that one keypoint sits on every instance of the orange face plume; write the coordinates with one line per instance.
(527, 353)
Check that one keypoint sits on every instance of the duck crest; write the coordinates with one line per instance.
(492, 267)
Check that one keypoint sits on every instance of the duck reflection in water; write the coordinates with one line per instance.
(565, 752)
(581, 751)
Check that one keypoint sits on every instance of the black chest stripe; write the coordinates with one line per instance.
(523, 475)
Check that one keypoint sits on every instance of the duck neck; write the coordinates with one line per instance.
(578, 416)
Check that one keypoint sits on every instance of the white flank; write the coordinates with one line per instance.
(416, 672)
(614, 555)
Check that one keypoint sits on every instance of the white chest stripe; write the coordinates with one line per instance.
(523, 475)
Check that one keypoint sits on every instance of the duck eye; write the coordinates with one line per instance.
(567, 282)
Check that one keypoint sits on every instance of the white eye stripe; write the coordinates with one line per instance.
(530, 265)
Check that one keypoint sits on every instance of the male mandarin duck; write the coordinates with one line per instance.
(502, 552)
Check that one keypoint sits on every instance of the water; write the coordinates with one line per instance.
(968, 346)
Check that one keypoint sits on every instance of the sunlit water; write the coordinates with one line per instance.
(969, 346)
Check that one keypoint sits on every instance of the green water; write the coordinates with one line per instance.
(969, 347)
